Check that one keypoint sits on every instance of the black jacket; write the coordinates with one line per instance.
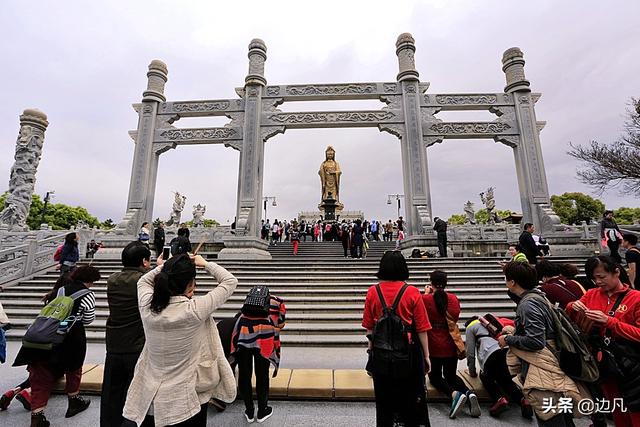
(528, 246)
(440, 226)
(158, 237)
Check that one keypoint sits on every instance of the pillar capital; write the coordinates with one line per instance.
(513, 67)
(405, 50)
(34, 117)
(257, 57)
(157, 77)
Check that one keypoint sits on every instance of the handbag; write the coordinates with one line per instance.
(454, 331)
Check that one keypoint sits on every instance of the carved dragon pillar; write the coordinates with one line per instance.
(532, 179)
(142, 186)
(414, 156)
(33, 123)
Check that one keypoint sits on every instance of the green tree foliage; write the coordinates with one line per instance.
(107, 224)
(456, 219)
(626, 215)
(573, 208)
(206, 223)
(57, 215)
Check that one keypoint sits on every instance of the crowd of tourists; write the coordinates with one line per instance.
(166, 358)
(569, 341)
(570, 338)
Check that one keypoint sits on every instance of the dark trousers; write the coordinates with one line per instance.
(247, 358)
(345, 246)
(497, 380)
(613, 246)
(442, 244)
(405, 400)
(118, 374)
(159, 248)
(358, 250)
(443, 375)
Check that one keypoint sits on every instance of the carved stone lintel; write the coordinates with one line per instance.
(394, 102)
(332, 89)
(198, 134)
(352, 118)
(466, 99)
(462, 128)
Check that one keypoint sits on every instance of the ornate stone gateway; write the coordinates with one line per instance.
(410, 115)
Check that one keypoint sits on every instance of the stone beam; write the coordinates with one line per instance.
(331, 91)
(333, 119)
(214, 135)
(202, 108)
(467, 130)
(466, 101)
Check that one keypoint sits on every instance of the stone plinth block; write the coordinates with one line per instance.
(244, 247)
(278, 386)
(352, 384)
(91, 380)
(311, 383)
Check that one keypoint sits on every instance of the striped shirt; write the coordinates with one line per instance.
(87, 308)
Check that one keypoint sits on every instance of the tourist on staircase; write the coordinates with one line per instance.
(358, 238)
(492, 359)
(182, 364)
(611, 314)
(144, 235)
(255, 341)
(125, 334)
(528, 245)
(531, 344)
(345, 238)
(394, 317)
(632, 256)
(46, 366)
(440, 226)
(295, 239)
(443, 309)
(610, 235)
(159, 238)
(275, 228)
(70, 254)
(557, 290)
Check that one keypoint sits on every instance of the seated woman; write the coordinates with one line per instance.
(182, 365)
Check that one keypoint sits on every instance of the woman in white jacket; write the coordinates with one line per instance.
(182, 364)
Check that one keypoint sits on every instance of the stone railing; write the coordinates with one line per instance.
(497, 232)
(28, 258)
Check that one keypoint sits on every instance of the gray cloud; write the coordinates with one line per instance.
(85, 63)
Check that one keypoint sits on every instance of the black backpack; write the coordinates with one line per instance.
(390, 349)
(257, 302)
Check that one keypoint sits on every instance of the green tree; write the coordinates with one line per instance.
(482, 216)
(206, 223)
(107, 224)
(573, 208)
(456, 219)
(626, 215)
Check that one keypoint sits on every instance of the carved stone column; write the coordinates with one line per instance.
(532, 179)
(246, 244)
(144, 171)
(22, 181)
(414, 156)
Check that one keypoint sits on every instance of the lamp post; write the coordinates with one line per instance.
(47, 198)
(265, 200)
(390, 197)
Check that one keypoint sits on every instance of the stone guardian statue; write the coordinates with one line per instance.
(490, 204)
(22, 181)
(198, 215)
(330, 178)
(176, 209)
(470, 212)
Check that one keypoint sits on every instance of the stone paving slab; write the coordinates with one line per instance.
(311, 384)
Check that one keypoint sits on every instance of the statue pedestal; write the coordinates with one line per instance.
(329, 206)
(423, 242)
(244, 247)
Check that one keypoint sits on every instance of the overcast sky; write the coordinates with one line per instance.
(84, 64)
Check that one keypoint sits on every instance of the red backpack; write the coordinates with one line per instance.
(58, 254)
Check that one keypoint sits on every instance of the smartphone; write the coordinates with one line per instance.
(166, 251)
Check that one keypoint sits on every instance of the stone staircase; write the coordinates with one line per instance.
(324, 292)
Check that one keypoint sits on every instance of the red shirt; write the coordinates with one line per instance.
(410, 308)
(626, 320)
(440, 342)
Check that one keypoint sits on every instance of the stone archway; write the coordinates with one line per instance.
(409, 115)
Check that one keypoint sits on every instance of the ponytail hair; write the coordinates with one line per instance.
(439, 281)
(176, 274)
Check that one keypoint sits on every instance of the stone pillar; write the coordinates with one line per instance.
(22, 181)
(144, 171)
(414, 156)
(246, 244)
(532, 179)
